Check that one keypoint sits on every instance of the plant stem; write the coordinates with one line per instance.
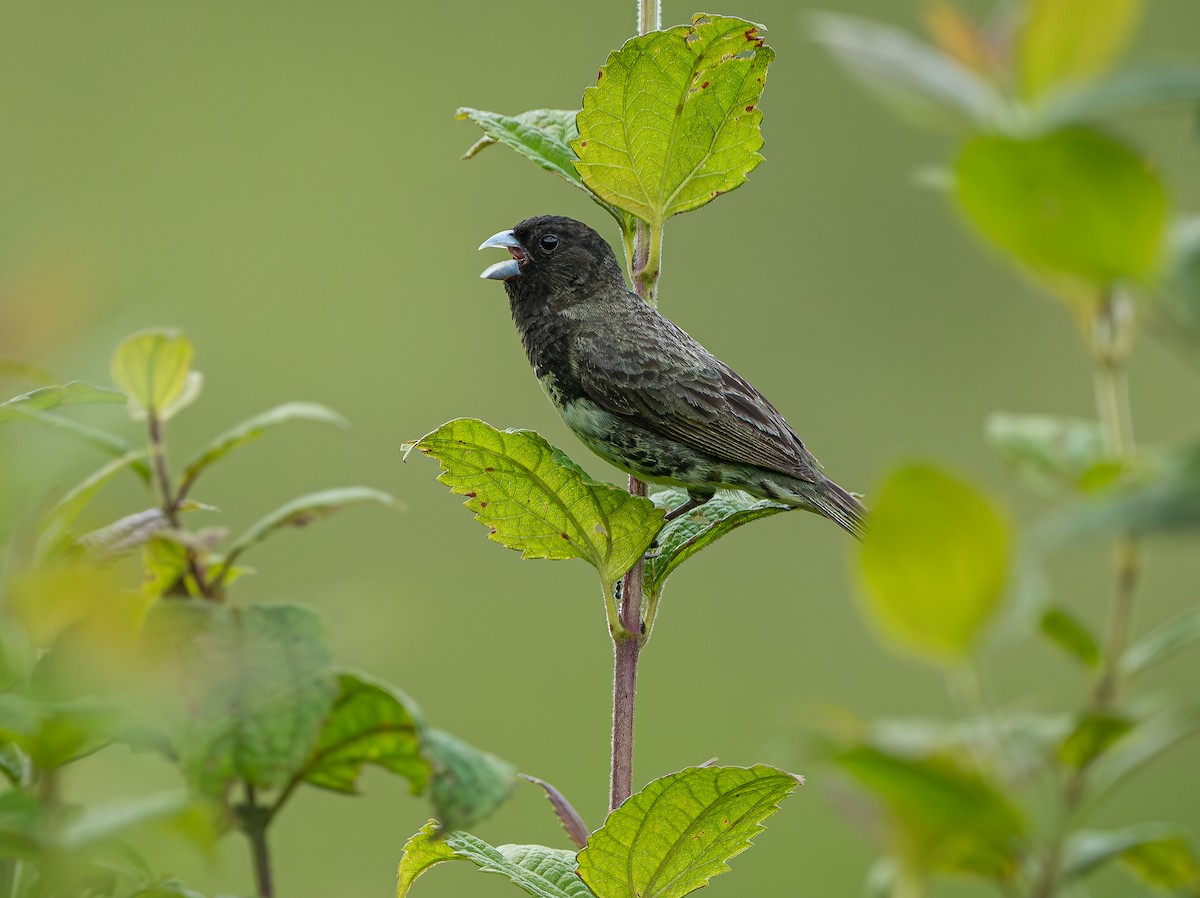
(628, 640)
(1112, 334)
(254, 823)
(171, 500)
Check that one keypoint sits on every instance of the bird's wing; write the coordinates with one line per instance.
(670, 384)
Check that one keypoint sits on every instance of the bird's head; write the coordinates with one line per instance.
(553, 256)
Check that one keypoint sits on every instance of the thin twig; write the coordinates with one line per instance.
(254, 823)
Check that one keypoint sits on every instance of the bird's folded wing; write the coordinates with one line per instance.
(690, 396)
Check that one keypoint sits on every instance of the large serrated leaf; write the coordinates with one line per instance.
(467, 784)
(255, 427)
(245, 690)
(687, 534)
(934, 563)
(539, 871)
(908, 74)
(673, 120)
(536, 501)
(1065, 42)
(672, 837)
(946, 816)
(1077, 207)
(370, 722)
(153, 369)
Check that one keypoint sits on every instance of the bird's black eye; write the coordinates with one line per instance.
(549, 243)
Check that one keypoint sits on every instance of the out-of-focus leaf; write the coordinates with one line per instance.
(12, 369)
(672, 837)
(539, 871)
(959, 36)
(1070, 634)
(934, 563)
(169, 888)
(946, 817)
(673, 121)
(571, 822)
(244, 690)
(683, 537)
(101, 439)
(126, 534)
(914, 78)
(301, 512)
(1065, 42)
(103, 823)
(255, 427)
(1146, 742)
(1047, 449)
(54, 733)
(58, 521)
(1121, 94)
(370, 723)
(468, 784)
(1167, 500)
(534, 499)
(14, 763)
(1155, 852)
(45, 398)
(21, 825)
(1181, 293)
(152, 368)
(1077, 207)
(1161, 643)
(1094, 734)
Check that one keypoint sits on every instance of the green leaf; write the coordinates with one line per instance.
(1071, 635)
(916, 79)
(21, 825)
(370, 722)
(106, 823)
(672, 837)
(673, 121)
(1065, 42)
(55, 733)
(934, 563)
(1155, 852)
(152, 368)
(253, 428)
(1166, 500)
(945, 815)
(537, 870)
(1079, 208)
(1146, 742)
(1047, 450)
(13, 369)
(246, 690)
(1159, 644)
(1121, 94)
(125, 534)
(301, 512)
(15, 764)
(468, 784)
(1094, 734)
(102, 440)
(1181, 291)
(74, 393)
(687, 534)
(533, 499)
(57, 523)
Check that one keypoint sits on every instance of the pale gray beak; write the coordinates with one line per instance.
(511, 268)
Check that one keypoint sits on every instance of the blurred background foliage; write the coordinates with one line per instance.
(283, 183)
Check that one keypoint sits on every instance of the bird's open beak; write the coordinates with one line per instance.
(511, 268)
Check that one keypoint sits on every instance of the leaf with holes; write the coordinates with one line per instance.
(681, 830)
(673, 120)
(533, 499)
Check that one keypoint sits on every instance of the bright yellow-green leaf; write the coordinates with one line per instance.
(681, 830)
(1066, 42)
(934, 563)
(534, 499)
(673, 120)
(152, 368)
(1079, 208)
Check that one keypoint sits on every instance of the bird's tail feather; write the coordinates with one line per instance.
(840, 507)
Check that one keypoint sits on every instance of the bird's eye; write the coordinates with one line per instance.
(549, 243)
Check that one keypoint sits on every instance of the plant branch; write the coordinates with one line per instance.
(254, 825)
(629, 638)
(171, 500)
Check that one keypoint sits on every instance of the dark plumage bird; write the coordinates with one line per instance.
(641, 393)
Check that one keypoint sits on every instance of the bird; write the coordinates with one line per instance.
(641, 393)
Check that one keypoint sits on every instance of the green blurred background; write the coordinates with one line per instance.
(282, 181)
